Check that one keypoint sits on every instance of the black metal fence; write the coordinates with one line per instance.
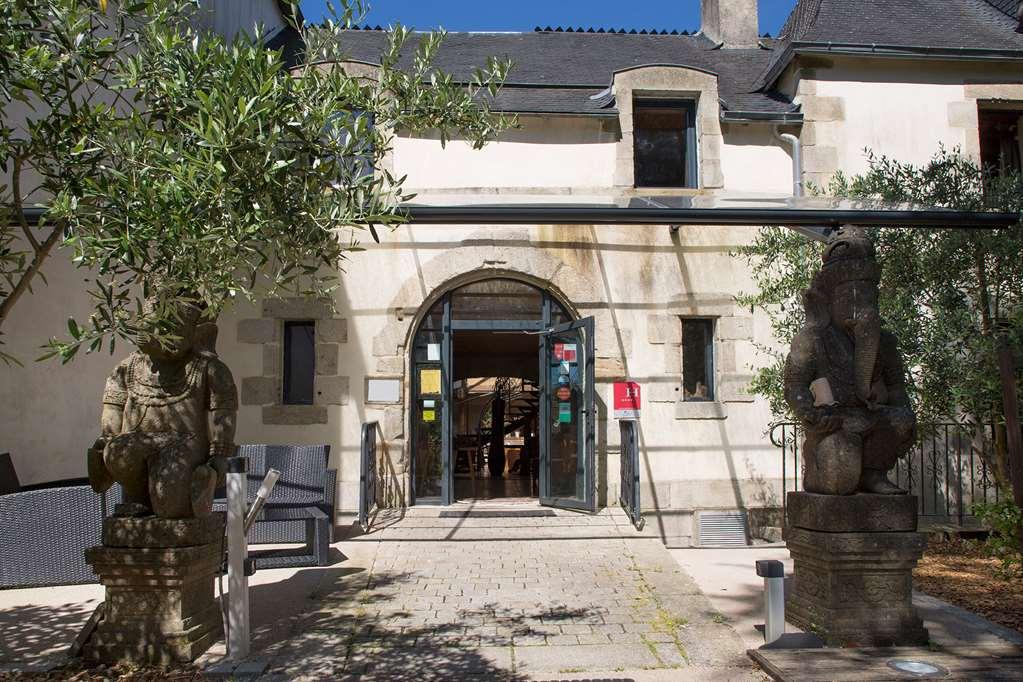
(629, 495)
(947, 470)
(367, 474)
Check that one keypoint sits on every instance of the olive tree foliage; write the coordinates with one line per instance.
(219, 173)
(950, 296)
(57, 61)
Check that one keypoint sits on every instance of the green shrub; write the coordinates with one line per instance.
(1004, 519)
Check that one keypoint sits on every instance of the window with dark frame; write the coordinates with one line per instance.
(697, 359)
(665, 148)
(299, 362)
(1000, 148)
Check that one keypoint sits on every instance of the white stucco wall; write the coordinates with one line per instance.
(544, 152)
(753, 161)
(899, 108)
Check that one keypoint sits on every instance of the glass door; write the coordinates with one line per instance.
(567, 417)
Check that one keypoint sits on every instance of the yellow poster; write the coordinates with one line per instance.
(429, 415)
(429, 381)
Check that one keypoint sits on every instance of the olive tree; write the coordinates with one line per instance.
(951, 296)
(58, 61)
(217, 172)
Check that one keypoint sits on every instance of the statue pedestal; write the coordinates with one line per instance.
(158, 574)
(853, 559)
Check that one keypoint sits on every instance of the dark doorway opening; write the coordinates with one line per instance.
(496, 414)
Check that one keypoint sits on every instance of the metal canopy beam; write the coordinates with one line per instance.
(534, 214)
(613, 215)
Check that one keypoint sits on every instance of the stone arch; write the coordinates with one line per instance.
(478, 259)
(488, 259)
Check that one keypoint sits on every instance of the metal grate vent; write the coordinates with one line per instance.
(722, 528)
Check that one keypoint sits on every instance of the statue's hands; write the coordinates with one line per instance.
(825, 421)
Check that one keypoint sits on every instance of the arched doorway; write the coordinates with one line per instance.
(501, 400)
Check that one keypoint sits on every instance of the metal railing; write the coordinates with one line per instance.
(947, 468)
(628, 494)
(367, 474)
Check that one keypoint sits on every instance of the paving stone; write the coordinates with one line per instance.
(454, 598)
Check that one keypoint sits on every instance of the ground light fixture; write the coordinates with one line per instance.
(918, 669)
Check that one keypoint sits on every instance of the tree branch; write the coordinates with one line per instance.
(18, 205)
(33, 269)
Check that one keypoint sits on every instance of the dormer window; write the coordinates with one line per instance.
(664, 133)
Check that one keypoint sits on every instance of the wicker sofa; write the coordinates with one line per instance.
(46, 532)
(300, 508)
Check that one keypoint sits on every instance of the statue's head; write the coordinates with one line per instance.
(847, 283)
(179, 324)
(845, 292)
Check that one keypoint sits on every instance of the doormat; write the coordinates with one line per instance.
(498, 514)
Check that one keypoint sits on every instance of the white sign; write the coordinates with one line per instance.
(383, 390)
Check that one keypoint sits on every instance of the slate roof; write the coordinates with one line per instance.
(963, 27)
(570, 71)
(559, 72)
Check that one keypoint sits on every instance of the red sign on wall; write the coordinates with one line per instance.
(627, 401)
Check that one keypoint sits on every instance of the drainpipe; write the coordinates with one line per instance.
(797, 159)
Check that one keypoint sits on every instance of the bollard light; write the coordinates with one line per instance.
(773, 573)
(237, 553)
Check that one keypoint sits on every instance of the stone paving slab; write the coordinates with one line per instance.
(432, 598)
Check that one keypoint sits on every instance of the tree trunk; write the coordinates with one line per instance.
(1013, 439)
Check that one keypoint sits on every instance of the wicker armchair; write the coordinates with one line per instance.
(46, 532)
(300, 508)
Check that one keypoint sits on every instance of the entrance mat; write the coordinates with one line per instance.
(498, 514)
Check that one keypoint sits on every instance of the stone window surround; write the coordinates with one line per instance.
(666, 81)
(267, 390)
(733, 327)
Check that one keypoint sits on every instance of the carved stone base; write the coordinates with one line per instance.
(859, 513)
(854, 588)
(160, 607)
(151, 531)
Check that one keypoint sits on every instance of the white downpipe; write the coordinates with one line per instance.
(797, 159)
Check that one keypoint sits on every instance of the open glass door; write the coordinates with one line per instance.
(567, 417)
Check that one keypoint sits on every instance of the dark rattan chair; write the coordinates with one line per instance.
(8, 476)
(46, 532)
(300, 508)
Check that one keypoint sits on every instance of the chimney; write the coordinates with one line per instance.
(732, 22)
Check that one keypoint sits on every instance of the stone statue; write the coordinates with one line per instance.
(845, 379)
(168, 424)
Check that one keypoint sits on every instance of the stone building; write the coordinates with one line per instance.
(437, 319)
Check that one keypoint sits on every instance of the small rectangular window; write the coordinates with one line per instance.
(1000, 143)
(697, 359)
(299, 362)
(665, 143)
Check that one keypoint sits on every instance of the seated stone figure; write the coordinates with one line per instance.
(168, 424)
(845, 379)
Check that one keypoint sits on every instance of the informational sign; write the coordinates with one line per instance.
(429, 381)
(383, 390)
(433, 352)
(564, 393)
(627, 401)
(565, 413)
(429, 415)
(566, 352)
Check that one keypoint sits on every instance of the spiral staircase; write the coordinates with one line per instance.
(521, 405)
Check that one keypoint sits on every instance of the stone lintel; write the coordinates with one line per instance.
(297, 308)
(860, 513)
(294, 415)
